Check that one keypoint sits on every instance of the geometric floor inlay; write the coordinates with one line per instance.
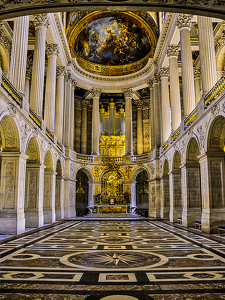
(102, 259)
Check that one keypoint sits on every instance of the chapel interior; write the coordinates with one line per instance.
(112, 114)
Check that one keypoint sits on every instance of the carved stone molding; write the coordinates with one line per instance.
(127, 93)
(172, 50)
(28, 72)
(52, 49)
(96, 92)
(68, 77)
(139, 104)
(60, 71)
(164, 72)
(197, 72)
(183, 20)
(220, 42)
(42, 20)
(150, 83)
(84, 103)
(5, 41)
(73, 82)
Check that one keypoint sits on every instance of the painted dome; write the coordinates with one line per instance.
(112, 43)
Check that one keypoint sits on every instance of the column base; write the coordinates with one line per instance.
(34, 219)
(175, 214)
(12, 223)
(211, 219)
(165, 213)
(49, 216)
(190, 216)
(58, 214)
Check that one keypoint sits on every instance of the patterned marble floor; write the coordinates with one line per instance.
(110, 260)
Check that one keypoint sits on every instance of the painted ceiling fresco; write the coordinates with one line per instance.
(115, 40)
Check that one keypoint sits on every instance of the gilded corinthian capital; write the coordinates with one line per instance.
(128, 93)
(96, 92)
(164, 72)
(183, 20)
(172, 50)
(42, 20)
(60, 71)
(52, 49)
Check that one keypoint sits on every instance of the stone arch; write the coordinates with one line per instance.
(165, 191)
(176, 161)
(216, 135)
(142, 200)
(10, 9)
(48, 162)
(192, 152)
(137, 171)
(83, 199)
(87, 172)
(165, 167)
(33, 150)
(10, 141)
(176, 195)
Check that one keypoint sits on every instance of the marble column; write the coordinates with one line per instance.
(172, 53)
(152, 127)
(157, 125)
(84, 127)
(13, 176)
(197, 76)
(38, 71)
(27, 83)
(59, 102)
(18, 61)
(128, 122)
(95, 121)
(139, 106)
(52, 53)
(188, 86)
(165, 104)
(72, 113)
(207, 53)
(34, 195)
(67, 108)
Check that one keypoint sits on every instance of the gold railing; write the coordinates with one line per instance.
(215, 91)
(60, 147)
(34, 117)
(140, 157)
(49, 134)
(6, 84)
(176, 134)
(85, 157)
(165, 145)
(109, 159)
(190, 119)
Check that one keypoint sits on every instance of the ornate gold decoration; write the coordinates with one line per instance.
(11, 90)
(34, 117)
(176, 135)
(127, 171)
(190, 119)
(49, 134)
(165, 146)
(215, 91)
(96, 172)
(112, 145)
(59, 146)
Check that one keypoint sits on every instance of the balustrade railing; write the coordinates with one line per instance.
(176, 134)
(84, 157)
(140, 157)
(35, 117)
(215, 91)
(7, 85)
(190, 119)
(108, 159)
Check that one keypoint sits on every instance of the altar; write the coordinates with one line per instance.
(104, 208)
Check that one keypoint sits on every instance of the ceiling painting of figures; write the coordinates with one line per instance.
(112, 43)
(113, 40)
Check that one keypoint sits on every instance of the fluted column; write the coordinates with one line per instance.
(19, 53)
(72, 111)
(152, 137)
(156, 111)
(27, 83)
(95, 121)
(183, 23)
(172, 53)
(165, 103)
(38, 71)
(84, 127)
(197, 76)
(207, 53)
(59, 102)
(67, 107)
(52, 53)
(128, 122)
(139, 106)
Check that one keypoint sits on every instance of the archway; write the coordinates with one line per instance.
(13, 167)
(33, 194)
(82, 193)
(142, 193)
(192, 206)
(165, 192)
(59, 192)
(175, 195)
(212, 175)
(49, 190)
